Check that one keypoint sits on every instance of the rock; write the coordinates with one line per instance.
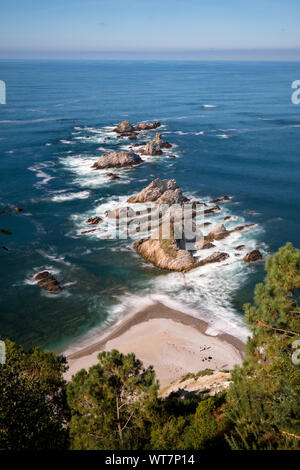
(212, 210)
(113, 176)
(214, 258)
(6, 231)
(218, 233)
(172, 156)
(165, 254)
(139, 144)
(45, 280)
(254, 255)
(240, 247)
(242, 227)
(206, 245)
(251, 212)
(220, 199)
(154, 190)
(206, 224)
(117, 160)
(172, 196)
(124, 127)
(229, 217)
(93, 221)
(88, 231)
(154, 146)
(145, 126)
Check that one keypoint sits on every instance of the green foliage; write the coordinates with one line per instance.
(33, 408)
(263, 400)
(111, 403)
(196, 430)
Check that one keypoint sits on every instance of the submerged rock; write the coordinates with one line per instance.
(117, 160)
(254, 255)
(45, 280)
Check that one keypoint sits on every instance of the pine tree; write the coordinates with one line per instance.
(111, 403)
(263, 402)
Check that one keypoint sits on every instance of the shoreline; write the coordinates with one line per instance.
(166, 338)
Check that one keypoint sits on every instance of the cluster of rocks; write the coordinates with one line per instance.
(125, 129)
(171, 254)
(155, 146)
(45, 280)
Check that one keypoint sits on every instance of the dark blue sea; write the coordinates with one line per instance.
(235, 132)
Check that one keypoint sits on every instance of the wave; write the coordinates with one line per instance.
(71, 196)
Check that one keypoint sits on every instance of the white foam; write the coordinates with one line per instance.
(71, 196)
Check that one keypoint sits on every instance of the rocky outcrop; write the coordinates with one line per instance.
(159, 191)
(155, 146)
(117, 160)
(45, 280)
(93, 221)
(146, 126)
(165, 254)
(218, 233)
(220, 199)
(124, 127)
(254, 255)
(212, 210)
(215, 257)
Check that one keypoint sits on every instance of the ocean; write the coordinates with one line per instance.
(235, 132)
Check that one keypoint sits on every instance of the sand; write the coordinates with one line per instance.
(173, 342)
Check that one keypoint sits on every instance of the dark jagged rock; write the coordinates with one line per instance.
(45, 280)
(93, 221)
(88, 231)
(216, 257)
(220, 199)
(172, 156)
(154, 190)
(212, 210)
(254, 255)
(240, 247)
(117, 160)
(113, 176)
(6, 231)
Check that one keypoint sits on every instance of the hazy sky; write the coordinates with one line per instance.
(73, 27)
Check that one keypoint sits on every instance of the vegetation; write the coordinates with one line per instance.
(115, 405)
(33, 407)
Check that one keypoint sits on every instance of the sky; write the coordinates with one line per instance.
(150, 28)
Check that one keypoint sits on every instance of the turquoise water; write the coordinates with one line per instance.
(236, 132)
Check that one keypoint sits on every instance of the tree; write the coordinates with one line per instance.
(111, 403)
(33, 407)
(263, 402)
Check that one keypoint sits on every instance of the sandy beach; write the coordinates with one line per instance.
(174, 342)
